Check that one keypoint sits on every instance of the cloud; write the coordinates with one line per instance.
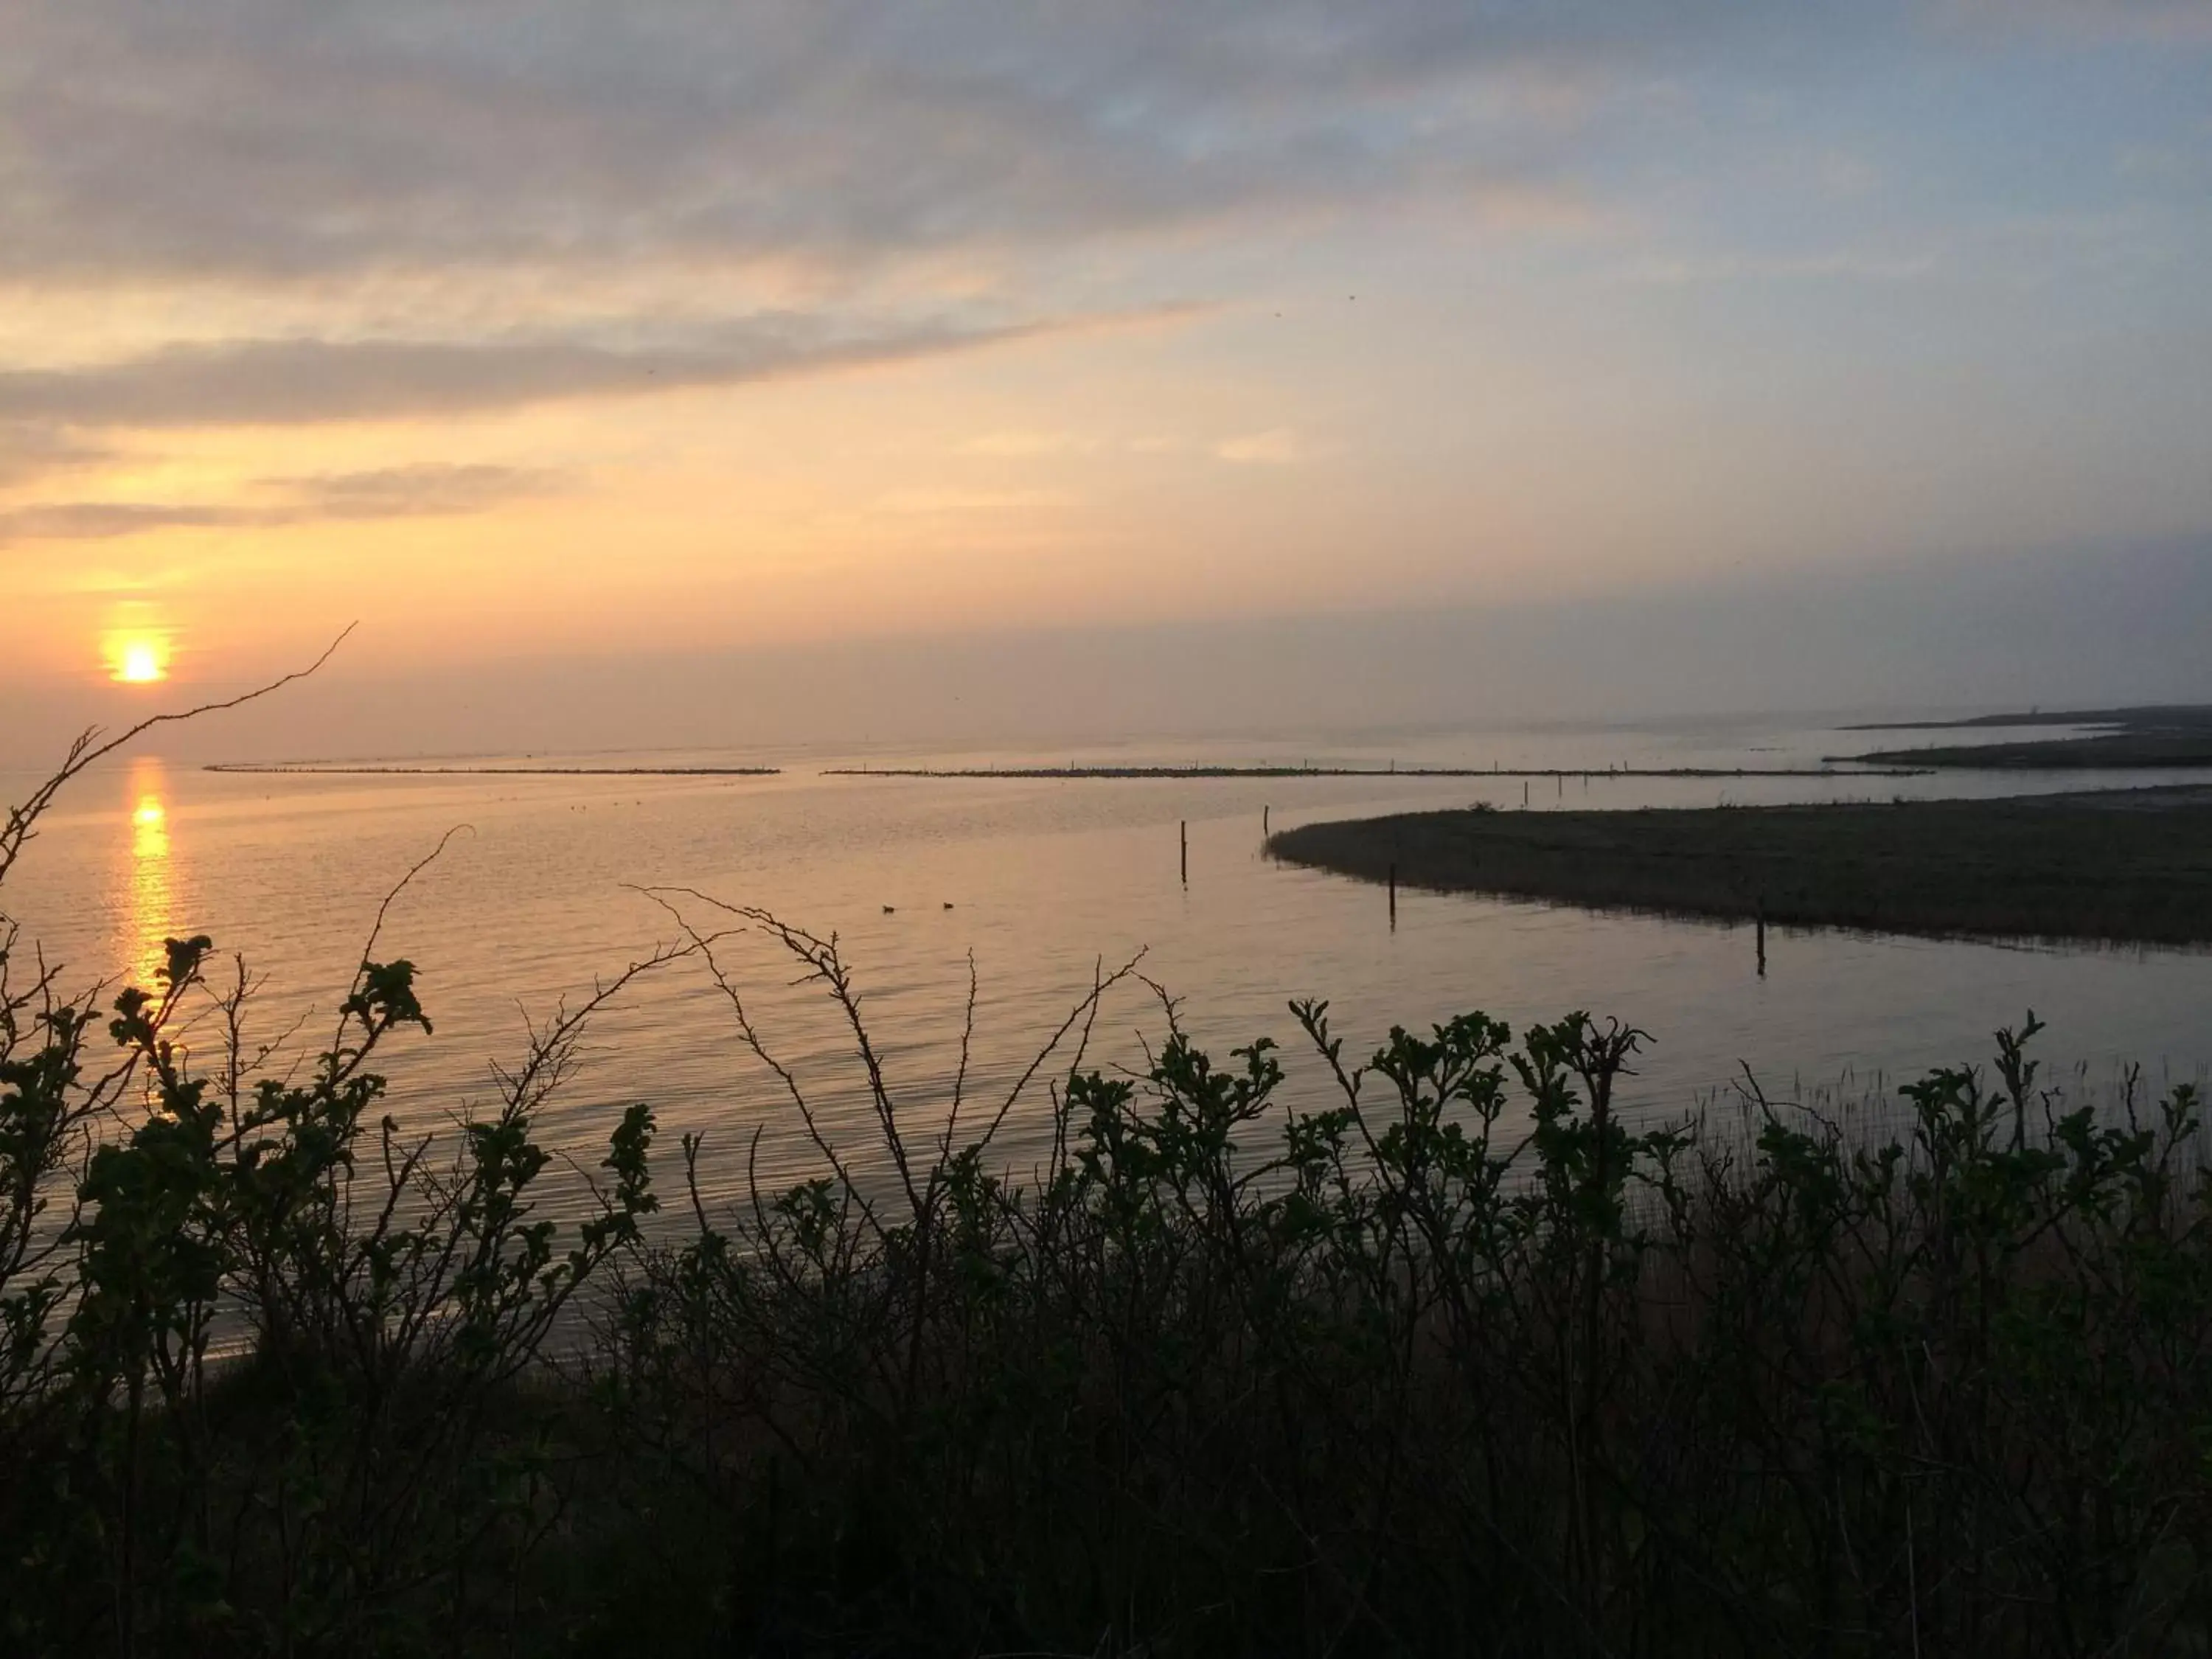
(31, 450)
(1842, 266)
(422, 490)
(1025, 445)
(2183, 23)
(972, 500)
(256, 382)
(402, 492)
(1278, 447)
(263, 138)
(98, 521)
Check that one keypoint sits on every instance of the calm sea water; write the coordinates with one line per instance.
(1041, 881)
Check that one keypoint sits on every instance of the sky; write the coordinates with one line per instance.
(772, 369)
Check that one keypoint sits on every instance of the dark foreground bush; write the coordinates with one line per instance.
(270, 1378)
(1459, 1363)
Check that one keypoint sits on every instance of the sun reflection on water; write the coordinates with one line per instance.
(148, 898)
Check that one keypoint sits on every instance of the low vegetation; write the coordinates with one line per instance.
(2128, 738)
(2116, 866)
(1459, 1363)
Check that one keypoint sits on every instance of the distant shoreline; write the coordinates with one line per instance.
(2142, 715)
(2106, 866)
(312, 770)
(2179, 734)
(1144, 772)
(499, 771)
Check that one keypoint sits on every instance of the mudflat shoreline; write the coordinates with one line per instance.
(2166, 735)
(496, 771)
(2113, 866)
(2104, 751)
(1264, 771)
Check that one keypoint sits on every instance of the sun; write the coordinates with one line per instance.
(138, 659)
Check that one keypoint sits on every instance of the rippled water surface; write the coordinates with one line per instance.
(1042, 880)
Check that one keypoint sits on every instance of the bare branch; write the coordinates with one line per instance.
(376, 928)
(1087, 1011)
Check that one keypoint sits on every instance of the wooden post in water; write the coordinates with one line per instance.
(1394, 897)
(1183, 829)
(1762, 937)
(1263, 824)
(1524, 792)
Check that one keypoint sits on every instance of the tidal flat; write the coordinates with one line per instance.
(2112, 866)
(2164, 736)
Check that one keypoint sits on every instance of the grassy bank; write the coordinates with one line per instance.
(2122, 866)
(2166, 736)
(2101, 751)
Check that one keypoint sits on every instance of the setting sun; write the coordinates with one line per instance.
(139, 659)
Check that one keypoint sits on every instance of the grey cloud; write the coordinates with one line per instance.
(416, 492)
(99, 521)
(273, 138)
(2175, 21)
(253, 382)
(31, 450)
(422, 491)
